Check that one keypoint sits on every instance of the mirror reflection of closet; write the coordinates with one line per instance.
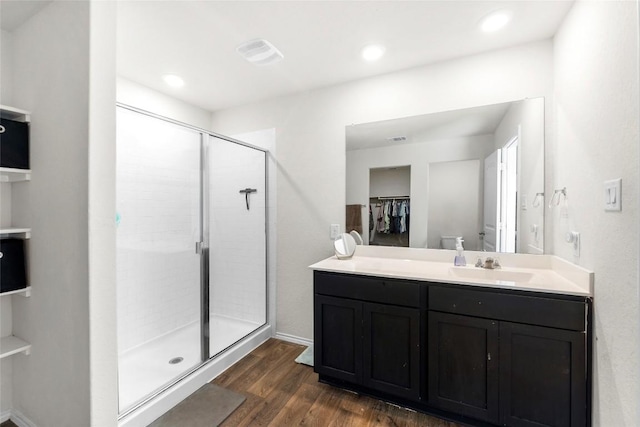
(390, 206)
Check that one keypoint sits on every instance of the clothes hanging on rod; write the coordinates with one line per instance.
(392, 215)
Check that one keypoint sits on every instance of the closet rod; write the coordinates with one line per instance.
(391, 198)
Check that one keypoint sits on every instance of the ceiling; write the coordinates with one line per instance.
(442, 126)
(321, 40)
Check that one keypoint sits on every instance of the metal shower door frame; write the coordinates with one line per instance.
(202, 247)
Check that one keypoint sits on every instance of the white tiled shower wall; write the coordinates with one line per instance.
(238, 235)
(158, 201)
(158, 204)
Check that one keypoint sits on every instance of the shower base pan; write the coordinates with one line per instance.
(148, 367)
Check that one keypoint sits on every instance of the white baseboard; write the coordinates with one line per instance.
(160, 404)
(17, 418)
(294, 339)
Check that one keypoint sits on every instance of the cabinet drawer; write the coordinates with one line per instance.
(374, 289)
(531, 310)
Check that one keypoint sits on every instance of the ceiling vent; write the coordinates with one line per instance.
(397, 138)
(259, 52)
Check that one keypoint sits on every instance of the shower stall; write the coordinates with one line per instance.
(191, 250)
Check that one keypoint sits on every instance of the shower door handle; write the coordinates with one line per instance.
(199, 247)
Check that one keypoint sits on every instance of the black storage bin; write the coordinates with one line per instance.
(13, 272)
(14, 144)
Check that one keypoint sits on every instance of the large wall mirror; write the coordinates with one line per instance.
(476, 173)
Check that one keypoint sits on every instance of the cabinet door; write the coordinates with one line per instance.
(542, 376)
(392, 350)
(338, 338)
(463, 365)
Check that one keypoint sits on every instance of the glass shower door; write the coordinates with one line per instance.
(158, 190)
(237, 242)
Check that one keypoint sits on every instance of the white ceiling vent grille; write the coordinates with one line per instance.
(397, 138)
(259, 52)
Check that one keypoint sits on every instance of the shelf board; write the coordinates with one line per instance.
(13, 345)
(16, 114)
(14, 175)
(25, 233)
(25, 292)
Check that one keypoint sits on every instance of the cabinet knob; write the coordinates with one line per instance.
(1, 254)
(488, 356)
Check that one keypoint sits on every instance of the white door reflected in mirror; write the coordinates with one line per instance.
(344, 246)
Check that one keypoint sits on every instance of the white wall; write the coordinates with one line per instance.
(68, 379)
(51, 386)
(455, 203)
(419, 156)
(144, 98)
(389, 182)
(6, 68)
(311, 147)
(102, 248)
(596, 139)
(6, 364)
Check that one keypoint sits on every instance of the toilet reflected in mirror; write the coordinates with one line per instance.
(449, 242)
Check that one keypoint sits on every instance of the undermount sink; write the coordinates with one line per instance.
(484, 274)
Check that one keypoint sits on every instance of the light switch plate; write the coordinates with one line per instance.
(613, 195)
(335, 230)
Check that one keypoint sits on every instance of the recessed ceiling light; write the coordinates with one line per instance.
(173, 80)
(259, 52)
(372, 52)
(495, 21)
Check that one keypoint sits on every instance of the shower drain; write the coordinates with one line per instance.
(176, 360)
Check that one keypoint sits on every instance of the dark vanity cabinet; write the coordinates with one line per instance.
(546, 366)
(367, 333)
(510, 359)
(463, 368)
(478, 355)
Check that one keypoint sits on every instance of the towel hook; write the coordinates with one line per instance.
(246, 193)
(558, 194)
(536, 200)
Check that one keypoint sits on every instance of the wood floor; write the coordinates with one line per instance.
(281, 392)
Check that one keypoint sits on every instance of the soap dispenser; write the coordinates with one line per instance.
(459, 261)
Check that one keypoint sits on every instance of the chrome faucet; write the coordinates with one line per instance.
(489, 263)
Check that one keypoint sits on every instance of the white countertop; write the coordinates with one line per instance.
(537, 273)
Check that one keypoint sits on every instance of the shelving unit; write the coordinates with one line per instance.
(26, 292)
(14, 175)
(13, 113)
(13, 345)
(10, 345)
(24, 233)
